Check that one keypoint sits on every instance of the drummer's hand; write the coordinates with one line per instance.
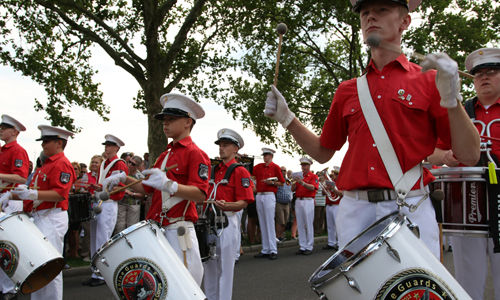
(449, 159)
(24, 193)
(114, 180)
(160, 181)
(6, 197)
(220, 204)
(277, 109)
(447, 81)
(97, 187)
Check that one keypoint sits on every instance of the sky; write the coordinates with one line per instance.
(127, 123)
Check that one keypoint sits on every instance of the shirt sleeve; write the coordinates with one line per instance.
(243, 186)
(19, 155)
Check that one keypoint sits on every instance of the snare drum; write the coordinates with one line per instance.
(26, 255)
(79, 207)
(387, 261)
(139, 263)
(465, 206)
(202, 228)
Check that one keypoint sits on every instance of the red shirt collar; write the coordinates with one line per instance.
(184, 142)
(401, 61)
(108, 161)
(478, 103)
(55, 156)
(6, 146)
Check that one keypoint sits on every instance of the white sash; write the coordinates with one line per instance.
(102, 174)
(168, 201)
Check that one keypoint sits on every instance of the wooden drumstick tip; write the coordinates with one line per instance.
(438, 195)
(281, 28)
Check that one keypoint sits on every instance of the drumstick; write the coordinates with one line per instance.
(281, 29)
(137, 181)
(13, 188)
(489, 138)
(376, 41)
(441, 241)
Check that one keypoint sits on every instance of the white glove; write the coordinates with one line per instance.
(160, 181)
(24, 193)
(447, 81)
(277, 109)
(6, 197)
(113, 180)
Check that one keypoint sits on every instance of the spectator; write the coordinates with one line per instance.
(332, 207)
(319, 211)
(126, 156)
(83, 168)
(146, 160)
(283, 198)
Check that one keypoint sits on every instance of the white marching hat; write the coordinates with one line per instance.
(306, 160)
(336, 169)
(53, 133)
(10, 122)
(268, 151)
(226, 134)
(483, 58)
(180, 106)
(410, 4)
(113, 140)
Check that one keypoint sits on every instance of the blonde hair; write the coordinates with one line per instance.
(78, 166)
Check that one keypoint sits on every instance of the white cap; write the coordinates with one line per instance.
(483, 58)
(226, 134)
(336, 169)
(410, 4)
(113, 140)
(53, 133)
(268, 151)
(306, 160)
(180, 106)
(9, 121)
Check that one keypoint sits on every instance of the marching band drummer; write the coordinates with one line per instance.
(471, 254)
(49, 203)
(14, 169)
(101, 228)
(175, 192)
(230, 198)
(332, 208)
(408, 104)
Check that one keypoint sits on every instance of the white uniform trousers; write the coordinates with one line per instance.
(470, 255)
(239, 215)
(102, 228)
(266, 208)
(304, 211)
(193, 258)
(355, 215)
(127, 216)
(219, 272)
(331, 217)
(53, 223)
(6, 284)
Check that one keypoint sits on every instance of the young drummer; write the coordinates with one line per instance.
(49, 203)
(174, 193)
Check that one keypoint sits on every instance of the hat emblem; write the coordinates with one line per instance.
(481, 52)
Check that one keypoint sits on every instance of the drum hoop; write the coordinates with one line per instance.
(13, 214)
(459, 171)
(319, 277)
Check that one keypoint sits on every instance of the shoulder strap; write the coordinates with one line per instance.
(104, 171)
(230, 170)
(469, 107)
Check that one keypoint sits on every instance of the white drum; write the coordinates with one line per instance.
(26, 255)
(387, 261)
(139, 263)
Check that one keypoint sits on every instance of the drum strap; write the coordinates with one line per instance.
(102, 174)
(169, 201)
(493, 203)
(402, 183)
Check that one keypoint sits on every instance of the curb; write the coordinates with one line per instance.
(86, 270)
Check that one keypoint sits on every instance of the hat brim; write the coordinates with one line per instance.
(49, 137)
(175, 112)
(110, 144)
(217, 142)
(7, 125)
(481, 66)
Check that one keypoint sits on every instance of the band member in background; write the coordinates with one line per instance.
(332, 208)
(229, 198)
(175, 192)
(471, 262)
(101, 228)
(14, 170)
(305, 189)
(266, 201)
(48, 204)
(412, 119)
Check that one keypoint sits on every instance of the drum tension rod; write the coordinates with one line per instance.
(392, 252)
(128, 242)
(351, 281)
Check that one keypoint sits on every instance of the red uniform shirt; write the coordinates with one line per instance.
(336, 199)
(120, 165)
(262, 172)
(56, 174)
(486, 116)
(413, 124)
(14, 160)
(193, 169)
(91, 180)
(302, 192)
(239, 186)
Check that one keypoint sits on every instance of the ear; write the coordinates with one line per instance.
(405, 23)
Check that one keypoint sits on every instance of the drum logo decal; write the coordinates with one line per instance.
(9, 257)
(415, 284)
(140, 279)
(475, 215)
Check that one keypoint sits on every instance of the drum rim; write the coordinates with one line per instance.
(398, 219)
(459, 170)
(13, 214)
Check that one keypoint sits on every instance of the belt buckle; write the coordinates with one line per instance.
(375, 195)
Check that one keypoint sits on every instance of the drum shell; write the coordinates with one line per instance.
(145, 241)
(202, 228)
(79, 207)
(38, 260)
(376, 268)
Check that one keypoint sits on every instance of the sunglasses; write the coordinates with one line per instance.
(130, 162)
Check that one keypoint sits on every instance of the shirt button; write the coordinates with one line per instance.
(383, 77)
(372, 168)
(487, 112)
(411, 103)
(379, 96)
(352, 110)
(374, 145)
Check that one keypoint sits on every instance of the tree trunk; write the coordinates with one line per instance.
(157, 141)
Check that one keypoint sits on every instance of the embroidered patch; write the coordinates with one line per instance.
(140, 278)
(9, 257)
(316, 180)
(65, 177)
(203, 171)
(18, 163)
(245, 182)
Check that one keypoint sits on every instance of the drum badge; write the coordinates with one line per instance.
(65, 177)
(140, 279)
(415, 284)
(9, 257)
(18, 163)
(245, 182)
(203, 171)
